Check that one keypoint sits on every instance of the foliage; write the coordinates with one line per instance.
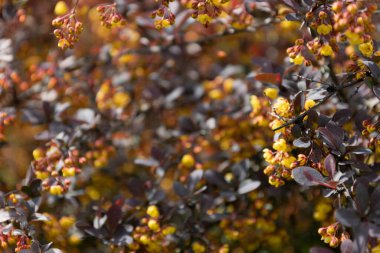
(189, 126)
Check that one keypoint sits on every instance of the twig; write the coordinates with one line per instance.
(331, 93)
(158, 49)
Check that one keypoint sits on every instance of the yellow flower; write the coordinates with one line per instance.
(354, 38)
(153, 225)
(165, 23)
(276, 123)
(228, 85)
(188, 161)
(366, 49)
(324, 29)
(75, 239)
(290, 25)
(42, 174)
(215, 94)
(144, 239)
(271, 93)
(204, 19)
(121, 99)
(56, 190)
(198, 247)
(153, 212)
(298, 60)
(255, 104)
(309, 104)
(38, 154)
(287, 162)
(282, 107)
(68, 172)
(280, 145)
(326, 50)
(66, 222)
(268, 156)
(61, 8)
(169, 230)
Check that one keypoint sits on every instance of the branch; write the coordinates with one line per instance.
(302, 115)
(158, 49)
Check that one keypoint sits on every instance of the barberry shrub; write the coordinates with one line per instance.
(190, 126)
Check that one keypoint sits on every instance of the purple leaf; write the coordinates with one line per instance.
(320, 250)
(347, 217)
(303, 142)
(307, 176)
(330, 165)
(247, 186)
(347, 246)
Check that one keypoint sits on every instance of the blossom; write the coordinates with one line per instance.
(204, 18)
(188, 161)
(56, 190)
(282, 107)
(271, 93)
(68, 172)
(153, 225)
(354, 38)
(61, 8)
(324, 29)
(153, 212)
(366, 49)
(198, 247)
(298, 60)
(309, 104)
(280, 145)
(326, 50)
(287, 161)
(255, 104)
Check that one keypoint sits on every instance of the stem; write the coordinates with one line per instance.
(302, 115)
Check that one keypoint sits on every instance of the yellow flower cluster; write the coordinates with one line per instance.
(107, 98)
(329, 235)
(149, 235)
(282, 107)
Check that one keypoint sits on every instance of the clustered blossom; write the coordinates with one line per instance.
(164, 17)
(330, 235)
(343, 24)
(55, 168)
(68, 29)
(205, 11)
(150, 235)
(109, 15)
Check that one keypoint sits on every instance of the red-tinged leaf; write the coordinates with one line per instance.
(274, 78)
(307, 176)
(330, 165)
(114, 215)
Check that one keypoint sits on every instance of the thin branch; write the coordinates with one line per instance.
(158, 49)
(309, 79)
(332, 93)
